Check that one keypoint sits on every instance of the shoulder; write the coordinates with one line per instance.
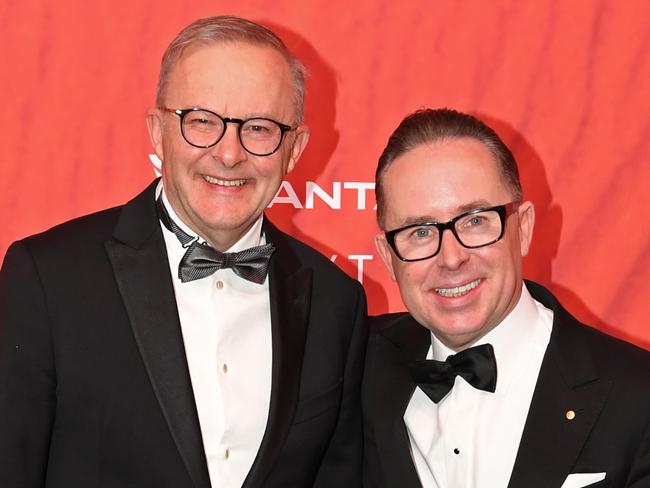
(86, 235)
(580, 344)
(400, 330)
(325, 272)
(620, 367)
(383, 323)
(52, 261)
(616, 357)
(71, 237)
(311, 256)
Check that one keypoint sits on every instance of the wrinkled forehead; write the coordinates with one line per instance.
(210, 62)
(234, 79)
(237, 53)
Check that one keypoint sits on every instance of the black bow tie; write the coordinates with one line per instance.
(201, 260)
(476, 365)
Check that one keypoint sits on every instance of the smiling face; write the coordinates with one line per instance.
(460, 294)
(219, 192)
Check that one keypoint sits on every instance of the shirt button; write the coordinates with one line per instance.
(219, 285)
(224, 367)
(226, 454)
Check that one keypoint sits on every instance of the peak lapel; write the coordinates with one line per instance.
(568, 381)
(394, 349)
(290, 294)
(139, 260)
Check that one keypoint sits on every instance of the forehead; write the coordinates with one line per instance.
(233, 78)
(442, 179)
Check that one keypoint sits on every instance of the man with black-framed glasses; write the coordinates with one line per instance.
(486, 381)
(182, 340)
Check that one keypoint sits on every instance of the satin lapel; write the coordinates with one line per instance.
(290, 294)
(568, 382)
(139, 261)
(404, 342)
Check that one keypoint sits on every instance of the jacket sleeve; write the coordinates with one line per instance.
(341, 464)
(640, 470)
(27, 376)
(372, 477)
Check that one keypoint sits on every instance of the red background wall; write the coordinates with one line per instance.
(564, 83)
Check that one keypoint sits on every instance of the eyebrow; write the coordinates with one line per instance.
(466, 207)
(254, 115)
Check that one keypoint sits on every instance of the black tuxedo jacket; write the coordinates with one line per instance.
(606, 382)
(94, 383)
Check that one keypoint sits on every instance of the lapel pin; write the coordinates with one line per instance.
(570, 415)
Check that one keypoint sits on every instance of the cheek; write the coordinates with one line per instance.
(411, 278)
(173, 154)
(170, 143)
(514, 257)
(272, 170)
(505, 269)
(173, 172)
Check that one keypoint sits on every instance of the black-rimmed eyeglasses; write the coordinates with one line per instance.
(476, 228)
(202, 128)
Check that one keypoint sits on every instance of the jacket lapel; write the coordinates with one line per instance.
(139, 260)
(394, 349)
(566, 403)
(290, 294)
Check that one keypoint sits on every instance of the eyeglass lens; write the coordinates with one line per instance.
(473, 230)
(258, 135)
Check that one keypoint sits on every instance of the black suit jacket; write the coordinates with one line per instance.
(605, 381)
(94, 384)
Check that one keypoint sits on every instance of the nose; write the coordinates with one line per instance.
(452, 254)
(229, 150)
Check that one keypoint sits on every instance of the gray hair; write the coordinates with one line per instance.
(221, 29)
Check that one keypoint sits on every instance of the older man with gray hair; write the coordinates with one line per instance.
(182, 340)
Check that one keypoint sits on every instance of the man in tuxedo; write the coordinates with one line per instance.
(486, 382)
(146, 346)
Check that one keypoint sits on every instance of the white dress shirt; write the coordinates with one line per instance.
(471, 437)
(226, 326)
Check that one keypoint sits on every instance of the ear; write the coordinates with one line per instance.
(155, 125)
(526, 213)
(298, 146)
(385, 252)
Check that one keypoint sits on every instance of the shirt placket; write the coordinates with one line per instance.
(460, 420)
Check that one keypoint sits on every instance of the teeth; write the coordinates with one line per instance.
(217, 181)
(458, 290)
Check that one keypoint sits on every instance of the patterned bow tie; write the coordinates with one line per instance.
(201, 260)
(476, 365)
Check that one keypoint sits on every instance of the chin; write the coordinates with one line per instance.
(459, 331)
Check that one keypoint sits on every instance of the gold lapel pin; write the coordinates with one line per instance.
(570, 415)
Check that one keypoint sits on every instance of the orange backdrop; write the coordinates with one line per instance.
(566, 84)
